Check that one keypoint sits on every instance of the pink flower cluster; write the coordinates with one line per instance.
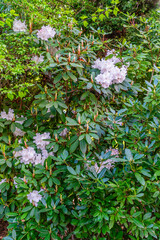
(19, 26)
(46, 32)
(29, 155)
(109, 72)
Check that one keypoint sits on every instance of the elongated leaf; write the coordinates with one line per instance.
(140, 178)
(71, 170)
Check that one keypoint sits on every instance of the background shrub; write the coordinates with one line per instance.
(79, 158)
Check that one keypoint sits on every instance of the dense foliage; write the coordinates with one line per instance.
(79, 120)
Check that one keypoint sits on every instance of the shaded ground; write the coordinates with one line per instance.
(3, 229)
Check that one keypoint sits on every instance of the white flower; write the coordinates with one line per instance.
(34, 197)
(64, 132)
(19, 26)
(26, 155)
(39, 140)
(39, 159)
(37, 59)
(109, 72)
(104, 79)
(29, 155)
(46, 32)
(7, 116)
(18, 132)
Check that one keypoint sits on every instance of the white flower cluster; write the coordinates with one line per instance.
(11, 116)
(7, 116)
(19, 26)
(109, 72)
(34, 197)
(29, 155)
(46, 32)
(37, 59)
(39, 140)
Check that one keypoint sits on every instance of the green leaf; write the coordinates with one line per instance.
(56, 181)
(88, 138)
(74, 146)
(85, 23)
(101, 16)
(76, 65)
(128, 154)
(105, 228)
(156, 194)
(13, 127)
(111, 223)
(147, 216)
(140, 178)
(71, 170)
(50, 183)
(157, 173)
(26, 209)
(58, 78)
(72, 76)
(11, 214)
(83, 146)
(138, 223)
(28, 122)
(71, 122)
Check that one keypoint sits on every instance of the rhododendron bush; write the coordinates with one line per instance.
(79, 152)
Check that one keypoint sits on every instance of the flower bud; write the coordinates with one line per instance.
(9, 140)
(55, 99)
(47, 48)
(79, 50)
(87, 128)
(91, 79)
(79, 120)
(73, 50)
(46, 166)
(82, 43)
(50, 171)
(25, 144)
(56, 138)
(69, 57)
(57, 58)
(95, 116)
(24, 179)
(68, 44)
